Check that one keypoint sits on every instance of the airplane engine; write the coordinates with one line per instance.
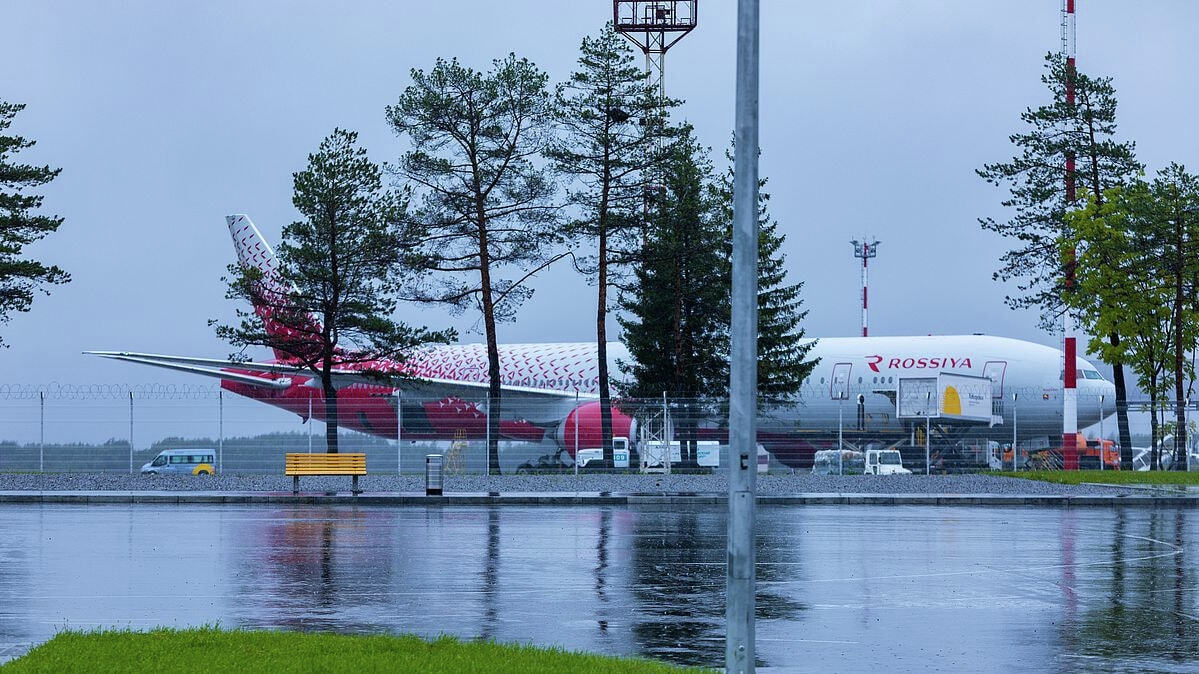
(585, 419)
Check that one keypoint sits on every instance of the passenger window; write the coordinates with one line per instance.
(178, 459)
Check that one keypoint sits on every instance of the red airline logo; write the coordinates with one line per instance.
(936, 363)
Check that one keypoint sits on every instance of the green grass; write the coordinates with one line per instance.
(210, 649)
(1152, 477)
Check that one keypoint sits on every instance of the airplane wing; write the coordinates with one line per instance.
(265, 382)
(213, 367)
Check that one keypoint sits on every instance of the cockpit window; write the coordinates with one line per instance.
(1084, 374)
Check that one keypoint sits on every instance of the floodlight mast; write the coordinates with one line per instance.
(1070, 350)
(865, 249)
(655, 26)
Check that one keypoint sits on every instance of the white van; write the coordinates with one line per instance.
(182, 462)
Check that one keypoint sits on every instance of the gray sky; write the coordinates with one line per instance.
(166, 116)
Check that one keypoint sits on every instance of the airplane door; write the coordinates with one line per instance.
(995, 370)
(839, 385)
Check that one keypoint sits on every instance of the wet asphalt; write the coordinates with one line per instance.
(849, 588)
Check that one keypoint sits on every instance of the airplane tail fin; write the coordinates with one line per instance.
(253, 251)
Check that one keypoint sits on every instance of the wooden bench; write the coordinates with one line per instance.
(324, 464)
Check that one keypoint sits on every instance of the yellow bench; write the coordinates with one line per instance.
(324, 464)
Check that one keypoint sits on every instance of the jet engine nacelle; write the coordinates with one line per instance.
(585, 419)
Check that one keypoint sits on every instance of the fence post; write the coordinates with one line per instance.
(1015, 420)
(131, 432)
(41, 448)
(309, 422)
(220, 440)
(928, 433)
(399, 432)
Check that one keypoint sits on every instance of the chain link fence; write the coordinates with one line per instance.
(121, 429)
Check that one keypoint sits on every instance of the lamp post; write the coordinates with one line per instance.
(1102, 440)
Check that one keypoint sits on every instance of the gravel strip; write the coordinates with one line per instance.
(775, 485)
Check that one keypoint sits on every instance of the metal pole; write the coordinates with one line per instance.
(928, 429)
(743, 385)
(310, 423)
(576, 433)
(668, 439)
(840, 438)
(220, 442)
(399, 432)
(41, 451)
(1015, 418)
(487, 452)
(1102, 447)
(131, 432)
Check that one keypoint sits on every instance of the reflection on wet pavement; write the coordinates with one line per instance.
(849, 589)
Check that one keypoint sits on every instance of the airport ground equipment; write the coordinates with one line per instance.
(325, 464)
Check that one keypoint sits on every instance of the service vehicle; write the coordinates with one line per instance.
(182, 461)
(885, 462)
(826, 462)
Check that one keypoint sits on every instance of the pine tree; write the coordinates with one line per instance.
(1085, 130)
(674, 306)
(782, 348)
(487, 199)
(332, 295)
(611, 125)
(21, 277)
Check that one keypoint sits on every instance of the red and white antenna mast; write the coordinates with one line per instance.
(865, 249)
(1070, 371)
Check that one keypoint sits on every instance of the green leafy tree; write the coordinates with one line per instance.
(782, 349)
(1120, 292)
(1085, 131)
(476, 140)
(1166, 210)
(611, 124)
(21, 277)
(329, 302)
(676, 301)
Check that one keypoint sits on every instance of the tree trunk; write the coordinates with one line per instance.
(1154, 450)
(330, 413)
(1121, 408)
(494, 390)
(601, 340)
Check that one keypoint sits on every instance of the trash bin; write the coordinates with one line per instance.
(433, 475)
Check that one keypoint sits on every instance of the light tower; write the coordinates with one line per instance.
(1070, 350)
(655, 26)
(865, 249)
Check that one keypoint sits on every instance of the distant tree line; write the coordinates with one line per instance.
(1130, 239)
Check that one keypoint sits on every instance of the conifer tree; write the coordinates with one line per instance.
(334, 290)
(782, 348)
(486, 197)
(21, 277)
(611, 126)
(675, 303)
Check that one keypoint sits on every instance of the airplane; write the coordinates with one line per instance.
(551, 410)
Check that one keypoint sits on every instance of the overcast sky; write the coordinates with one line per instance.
(166, 116)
